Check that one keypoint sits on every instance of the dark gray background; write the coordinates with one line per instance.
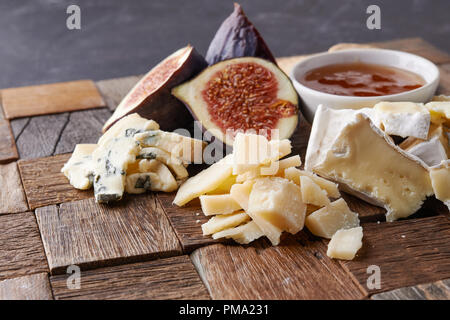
(120, 38)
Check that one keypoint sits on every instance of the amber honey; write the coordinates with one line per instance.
(361, 79)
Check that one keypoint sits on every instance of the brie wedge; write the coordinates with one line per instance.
(440, 180)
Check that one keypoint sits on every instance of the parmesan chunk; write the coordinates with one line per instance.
(312, 193)
(345, 243)
(218, 204)
(330, 187)
(243, 234)
(326, 221)
(241, 193)
(224, 221)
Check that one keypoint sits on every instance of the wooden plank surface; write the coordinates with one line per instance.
(439, 290)
(408, 252)
(444, 84)
(91, 235)
(32, 287)
(296, 269)
(50, 98)
(114, 90)
(170, 278)
(8, 151)
(12, 196)
(44, 184)
(21, 251)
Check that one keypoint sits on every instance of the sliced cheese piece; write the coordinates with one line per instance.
(345, 243)
(173, 163)
(432, 152)
(127, 127)
(225, 186)
(404, 119)
(111, 162)
(363, 160)
(224, 221)
(159, 179)
(187, 149)
(439, 111)
(326, 221)
(330, 187)
(167, 182)
(440, 180)
(243, 234)
(240, 192)
(218, 204)
(312, 193)
(205, 181)
(80, 167)
(278, 202)
(278, 167)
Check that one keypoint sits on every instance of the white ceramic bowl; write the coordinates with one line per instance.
(407, 61)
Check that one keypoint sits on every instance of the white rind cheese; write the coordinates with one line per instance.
(345, 243)
(326, 221)
(432, 152)
(440, 180)
(349, 149)
(80, 169)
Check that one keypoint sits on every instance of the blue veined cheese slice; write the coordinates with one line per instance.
(80, 169)
(187, 149)
(346, 147)
(154, 176)
(173, 163)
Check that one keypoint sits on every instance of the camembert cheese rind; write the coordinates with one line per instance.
(346, 147)
(345, 243)
(440, 180)
(80, 167)
(326, 221)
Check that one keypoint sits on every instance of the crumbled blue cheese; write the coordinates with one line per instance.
(173, 163)
(79, 169)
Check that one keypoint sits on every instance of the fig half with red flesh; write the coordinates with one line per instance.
(151, 97)
(237, 37)
(242, 94)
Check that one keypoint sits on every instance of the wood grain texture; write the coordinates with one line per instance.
(32, 287)
(44, 184)
(408, 252)
(439, 290)
(21, 251)
(82, 127)
(170, 278)
(444, 84)
(39, 136)
(8, 150)
(114, 90)
(12, 196)
(296, 269)
(90, 235)
(186, 222)
(50, 98)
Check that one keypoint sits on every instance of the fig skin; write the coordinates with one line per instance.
(237, 37)
(160, 105)
(191, 95)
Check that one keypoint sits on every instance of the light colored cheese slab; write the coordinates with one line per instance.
(330, 187)
(276, 202)
(432, 152)
(345, 243)
(205, 181)
(173, 163)
(243, 234)
(224, 221)
(404, 119)
(440, 179)
(439, 111)
(347, 148)
(326, 221)
(80, 167)
(218, 204)
(312, 193)
(240, 192)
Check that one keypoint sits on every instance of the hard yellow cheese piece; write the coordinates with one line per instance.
(326, 221)
(440, 180)
(224, 221)
(206, 181)
(80, 168)
(330, 187)
(218, 204)
(243, 234)
(345, 243)
(312, 193)
(240, 192)
(225, 186)
(439, 111)
(349, 149)
(276, 205)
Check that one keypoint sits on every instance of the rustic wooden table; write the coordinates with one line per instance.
(145, 248)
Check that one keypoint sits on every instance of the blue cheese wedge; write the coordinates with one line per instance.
(173, 163)
(79, 169)
(350, 150)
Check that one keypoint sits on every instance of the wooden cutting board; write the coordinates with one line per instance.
(163, 244)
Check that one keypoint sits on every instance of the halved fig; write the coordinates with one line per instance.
(242, 94)
(237, 37)
(151, 97)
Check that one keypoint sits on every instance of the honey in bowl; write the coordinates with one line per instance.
(361, 80)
